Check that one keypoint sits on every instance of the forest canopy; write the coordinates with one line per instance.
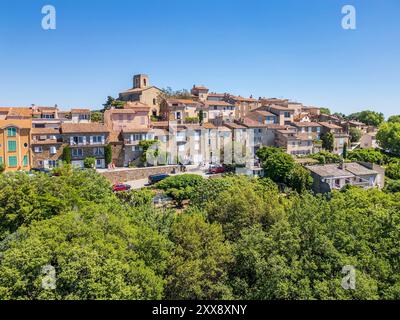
(238, 238)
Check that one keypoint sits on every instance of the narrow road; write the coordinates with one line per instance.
(138, 184)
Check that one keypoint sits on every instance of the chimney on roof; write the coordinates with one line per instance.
(342, 165)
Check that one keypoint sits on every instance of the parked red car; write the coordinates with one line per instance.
(121, 187)
(216, 169)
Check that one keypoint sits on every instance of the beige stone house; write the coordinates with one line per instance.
(143, 92)
(85, 140)
(46, 147)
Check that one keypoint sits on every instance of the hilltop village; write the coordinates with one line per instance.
(196, 127)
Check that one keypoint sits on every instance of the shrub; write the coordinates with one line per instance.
(66, 155)
(89, 162)
(393, 171)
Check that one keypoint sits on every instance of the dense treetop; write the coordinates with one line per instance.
(238, 237)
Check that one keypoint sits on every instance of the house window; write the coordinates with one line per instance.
(287, 114)
(12, 161)
(98, 151)
(1, 160)
(38, 149)
(52, 163)
(12, 146)
(53, 150)
(154, 101)
(26, 162)
(78, 140)
(97, 139)
(77, 152)
(11, 132)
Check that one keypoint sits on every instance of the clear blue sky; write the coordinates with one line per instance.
(278, 48)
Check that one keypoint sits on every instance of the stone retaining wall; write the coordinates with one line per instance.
(130, 174)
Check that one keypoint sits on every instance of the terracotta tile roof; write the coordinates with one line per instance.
(136, 105)
(139, 89)
(233, 125)
(263, 113)
(218, 103)
(37, 131)
(250, 123)
(209, 125)
(83, 128)
(306, 124)
(280, 108)
(181, 101)
(330, 125)
(136, 130)
(22, 124)
(242, 99)
(19, 112)
(200, 88)
(160, 124)
(217, 95)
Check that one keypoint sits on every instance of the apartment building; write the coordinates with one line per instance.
(15, 144)
(200, 93)
(295, 143)
(219, 111)
(46, 146)
(181, 109)
(85, 140)
(243, 105)
(45, 117)
(340, 138)
(285, 114)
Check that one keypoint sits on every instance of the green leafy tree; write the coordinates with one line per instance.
(328, 141)
(368, 117)
(345, 151)
(89, 162)
(145, 145)
(113, 103)
(191, 120)
(201, 116)
(95, 255)
(96, 116)
(392, 186)
(325, 111)
(264, 153)
(355, 135)
(180, 187)
(394, 119)
(388, 137)
(366, 155)
(67, 155)
(278, 166)
(198, 266)
(108, 154)
(299, 179)
(393, 171)
(325, 157)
